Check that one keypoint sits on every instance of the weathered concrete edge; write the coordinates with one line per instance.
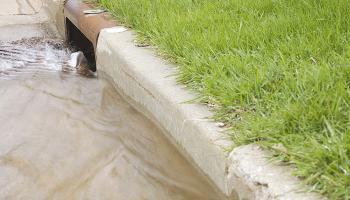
(54, 10)
(148, 80)
(245, 173)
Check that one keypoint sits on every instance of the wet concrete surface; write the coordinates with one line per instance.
(66, 136)
(13, 32)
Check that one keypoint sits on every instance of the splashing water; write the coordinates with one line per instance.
(38, 55)
(64, 136)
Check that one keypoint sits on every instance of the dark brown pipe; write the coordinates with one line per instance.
(89, 25)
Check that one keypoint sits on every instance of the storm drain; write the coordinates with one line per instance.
(37, 56)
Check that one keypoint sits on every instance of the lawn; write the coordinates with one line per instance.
(277, 73)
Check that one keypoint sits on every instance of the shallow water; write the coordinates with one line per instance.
(66, 136)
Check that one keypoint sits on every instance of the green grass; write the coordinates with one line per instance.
(276, 71)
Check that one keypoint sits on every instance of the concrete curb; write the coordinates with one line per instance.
(245, 173)
(54, 9)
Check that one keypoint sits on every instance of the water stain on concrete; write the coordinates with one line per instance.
(66, 136)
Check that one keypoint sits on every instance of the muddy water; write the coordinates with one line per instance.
(66, 136)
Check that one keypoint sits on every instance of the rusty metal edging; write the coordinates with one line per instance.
(89, 24)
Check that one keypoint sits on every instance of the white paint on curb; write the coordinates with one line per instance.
(117, 29)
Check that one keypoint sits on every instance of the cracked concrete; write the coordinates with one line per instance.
(22, 12)
(20, 7)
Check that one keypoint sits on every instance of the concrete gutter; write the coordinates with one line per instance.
(41, 11)
(146, 79)
(19, 12)
(54, 9)
(148, 82)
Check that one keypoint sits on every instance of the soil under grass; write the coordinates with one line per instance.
(276, 71)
